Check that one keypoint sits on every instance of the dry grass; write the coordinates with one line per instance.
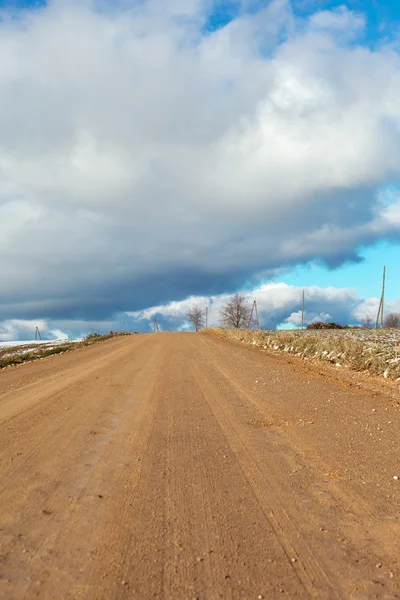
(20, 354)
(373, 351)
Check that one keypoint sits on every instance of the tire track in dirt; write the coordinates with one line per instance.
(61, 496)
(355, 520)
(300, 452)
(203, 534)
(114, 469)
(304, 561)
(170, 477)
(38, 403)
(25, 395)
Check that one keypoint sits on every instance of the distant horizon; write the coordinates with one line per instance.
(344, 307)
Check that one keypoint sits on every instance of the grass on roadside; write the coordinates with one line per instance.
(373, 351)
(16, 355)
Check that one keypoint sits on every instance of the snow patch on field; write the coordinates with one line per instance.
(33, 344)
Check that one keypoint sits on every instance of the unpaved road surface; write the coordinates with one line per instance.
(180, 466)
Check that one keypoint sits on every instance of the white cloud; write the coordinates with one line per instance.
(277, 303)
(15, 329)
(19, 329)
(369, 308)
(142, 160)
(340, 19)
(58, 334)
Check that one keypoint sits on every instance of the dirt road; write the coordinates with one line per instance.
(179, 466)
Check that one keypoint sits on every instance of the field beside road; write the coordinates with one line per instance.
(18, 352)
(372, 351)
(181, 466)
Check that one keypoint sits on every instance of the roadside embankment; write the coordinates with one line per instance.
(376, 352)
(16, 355)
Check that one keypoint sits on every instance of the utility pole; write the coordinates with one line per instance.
(302, 312)
(383, 295)
(37, 334)
(379, 316)
(255, 312)
(206, 317)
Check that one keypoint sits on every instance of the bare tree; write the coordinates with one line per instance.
(367, 321)
(196, 316)
(392, 320)
(235, 314)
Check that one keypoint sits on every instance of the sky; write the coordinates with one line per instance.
(157, 155)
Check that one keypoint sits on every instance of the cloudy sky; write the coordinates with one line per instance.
(155, 154)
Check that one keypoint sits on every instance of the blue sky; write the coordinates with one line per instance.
(377, 12)
(21, 4)
(382, 16)
(155, 154)
(382, 13)
(365, 276)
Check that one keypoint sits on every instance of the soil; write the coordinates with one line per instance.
(181, 466)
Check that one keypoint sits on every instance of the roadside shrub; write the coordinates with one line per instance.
(321, 325)
(392, 320)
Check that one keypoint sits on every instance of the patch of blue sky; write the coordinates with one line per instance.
(389, 193)
(222, 13)
(378, 11)
(382, 16)
(365, 277)
(21, 4)
(286, 327)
